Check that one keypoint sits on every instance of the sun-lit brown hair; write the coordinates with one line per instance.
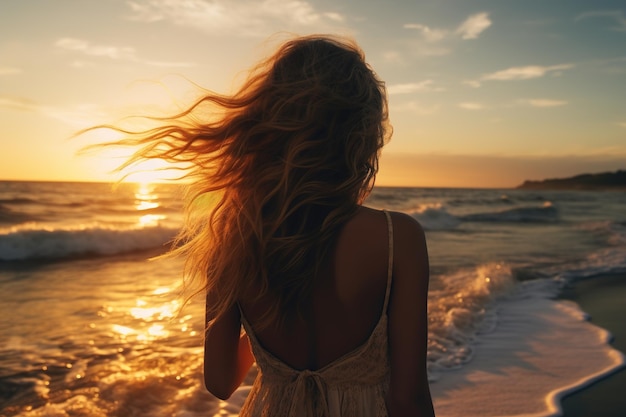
(277, 168)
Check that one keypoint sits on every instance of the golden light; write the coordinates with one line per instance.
(123, 330)
(150, 313)
(146, 199)
(150, 172)
(146, 205)
(105, 162)
(161, 290)
(150, 219)
(157, 330)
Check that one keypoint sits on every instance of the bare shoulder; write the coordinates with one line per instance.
(408, 232)
(408, 235)
(406, 221)
(368, 224)
(364, 237)
(410, 249)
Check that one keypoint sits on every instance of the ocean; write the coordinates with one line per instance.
(92, 325)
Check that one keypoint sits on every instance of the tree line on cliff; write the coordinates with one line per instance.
(601, 181)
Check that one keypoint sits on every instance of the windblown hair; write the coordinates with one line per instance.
(287, 160)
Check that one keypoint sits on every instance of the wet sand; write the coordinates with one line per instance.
(604, 299)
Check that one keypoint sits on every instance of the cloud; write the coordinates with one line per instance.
(9, 70)
(622, 124)
(430, 34)
(474, 25)
(433, 41)
(21, 104)
(82, 64)
(417, 108)
(544, 102)
(525, 73)
(393, 57)
(79, 116)
(616, 15)
(613, 66)
(335, 16)
(469, 105)
(471, 28)
(83, 46)
(169, 64)
(430, 50)
(472, 83)
(125, 53)
(235, 17)
(408, 88)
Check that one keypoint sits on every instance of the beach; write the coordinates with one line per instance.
(604, 299)
(96, 326)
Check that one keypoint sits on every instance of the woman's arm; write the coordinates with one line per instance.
(227, 355)
(409, 393)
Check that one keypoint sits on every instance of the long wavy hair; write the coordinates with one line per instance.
(277, 168)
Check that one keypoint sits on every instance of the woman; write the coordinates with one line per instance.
(331, 294)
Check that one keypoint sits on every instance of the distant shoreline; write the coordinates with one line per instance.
(605, 181)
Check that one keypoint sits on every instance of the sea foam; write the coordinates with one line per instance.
(33, 243)
(435, 217)
(459, 309)
(540, 350)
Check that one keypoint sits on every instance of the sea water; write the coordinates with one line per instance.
(92, 325)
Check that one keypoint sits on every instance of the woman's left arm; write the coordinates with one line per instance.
(227, 354)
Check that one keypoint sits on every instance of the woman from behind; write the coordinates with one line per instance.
(331, 294)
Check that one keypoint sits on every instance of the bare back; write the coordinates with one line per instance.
(347, 299)
(347, 324)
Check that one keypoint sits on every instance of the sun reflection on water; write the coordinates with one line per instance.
(123, 330)
(145, 194)
(141, 311)
(150, 219)
(145, 205)
(151, 318)
(147, 199)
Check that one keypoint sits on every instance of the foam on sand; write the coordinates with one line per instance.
(540, 350)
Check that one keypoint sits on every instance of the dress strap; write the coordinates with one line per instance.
(390, 262)
(246, 325)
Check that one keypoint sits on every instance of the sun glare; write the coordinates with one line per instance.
(150, 172)
(145, 200)
(105, 162)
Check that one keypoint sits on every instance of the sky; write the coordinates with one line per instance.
(482, 93)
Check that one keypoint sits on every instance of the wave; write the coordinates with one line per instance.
(435, 217)
(615, 232)
(605, 261)
(481, 321)
(18, 200)
(544, 214)
(459, 310)
(535, 343)
(21, 244)
(461, 306)
(503, 199)
(14, 217)
(610, 259)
